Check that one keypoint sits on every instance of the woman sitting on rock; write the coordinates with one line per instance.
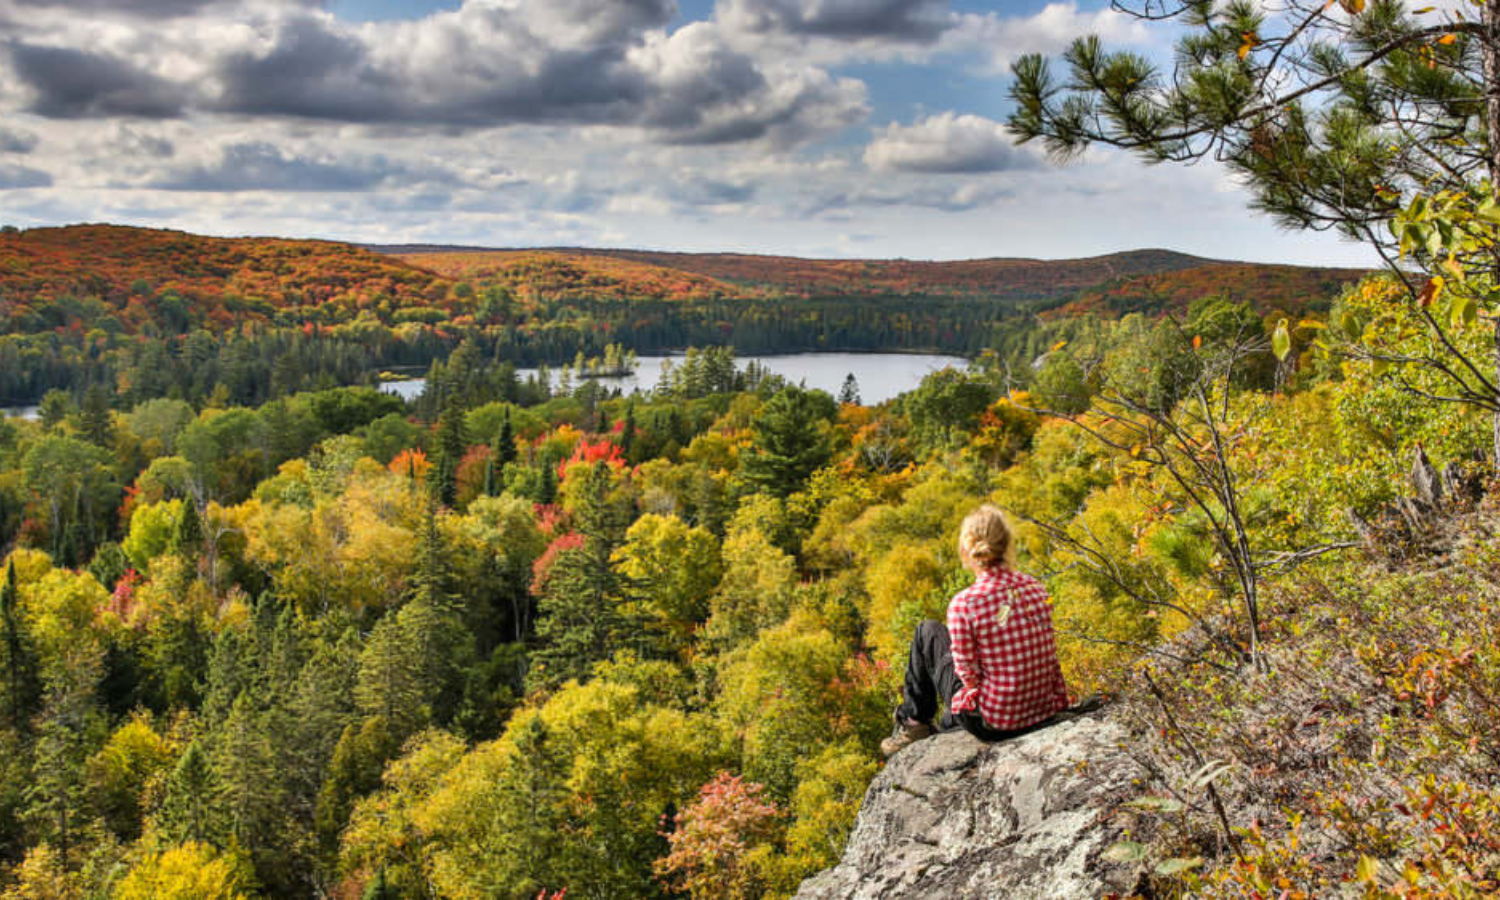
(994, 666)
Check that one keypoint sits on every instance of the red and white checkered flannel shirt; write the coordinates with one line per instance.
(1004, 651)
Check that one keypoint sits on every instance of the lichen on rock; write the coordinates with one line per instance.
(953, 817)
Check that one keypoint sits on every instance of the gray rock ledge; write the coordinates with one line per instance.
(951, 817)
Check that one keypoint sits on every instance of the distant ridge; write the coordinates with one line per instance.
(1133, 280)
(234, 279)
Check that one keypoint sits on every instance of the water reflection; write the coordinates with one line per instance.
(880, 376)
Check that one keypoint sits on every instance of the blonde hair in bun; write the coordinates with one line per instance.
(985, 537)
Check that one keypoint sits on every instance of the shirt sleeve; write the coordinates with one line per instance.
(965, 657)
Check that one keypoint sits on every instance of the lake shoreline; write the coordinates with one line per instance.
(879, 375)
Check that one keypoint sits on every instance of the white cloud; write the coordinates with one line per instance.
(1002, 39)
(948, 143)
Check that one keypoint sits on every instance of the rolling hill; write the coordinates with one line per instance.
(1000, 278)
(132, 271)
(1265, 286)
(554, 274)
(1146, 280)
(121, 265)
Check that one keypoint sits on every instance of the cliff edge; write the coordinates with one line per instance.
(1031, 817)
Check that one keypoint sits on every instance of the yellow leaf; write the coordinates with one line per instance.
(1447, 39)
(1353, 7)
(1058, 346)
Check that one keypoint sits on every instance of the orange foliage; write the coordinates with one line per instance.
(550, 275)
(998, 277)
(412, 463)
(1264, 286)
(130, 269)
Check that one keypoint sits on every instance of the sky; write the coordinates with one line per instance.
(825, 128)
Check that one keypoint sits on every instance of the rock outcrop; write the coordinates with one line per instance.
(951, 817)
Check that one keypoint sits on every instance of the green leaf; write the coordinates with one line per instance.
(1465, 309)
(1178, 865)
(1281, 340)
(1125, 852)
(1351, 325)
(1157, 804)
(1434, 242)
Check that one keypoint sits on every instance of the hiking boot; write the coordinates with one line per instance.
(908, 732)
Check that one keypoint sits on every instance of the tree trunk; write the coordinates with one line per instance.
(1490, 52)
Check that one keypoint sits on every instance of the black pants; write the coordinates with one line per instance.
(930, 680)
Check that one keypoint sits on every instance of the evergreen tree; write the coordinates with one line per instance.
(1346, 116)
(789, 441)
(54, 409)
(849, 393)
(58, 791)
(187, 541)
(354, 771)
(189, 809)
(95, 423)
(450, 452)
(177, 652)
(578, 620)
(411, 670)
(432, 579)
(230, 672)
(20, 661)
(627, 431)
(249, 795)
(548, 489)
(505, 442)
(389, 684)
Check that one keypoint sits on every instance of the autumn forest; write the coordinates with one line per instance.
(267, 630)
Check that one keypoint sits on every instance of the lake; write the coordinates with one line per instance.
(21, 412)
(881, 376)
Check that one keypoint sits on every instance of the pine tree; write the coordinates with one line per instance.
(187, 541)
(95, 423)
(505, 442)
(548, 490)
(410, 671)
(58, 791)
(578, 622)
(230, 671)
(249, 794)
(849, 393)
(189, 809)
(627, 430)
(789, 445)
(55, 407)
(450, 452)
(20, 661)
(389, 684)
(358, 760)
(432, 581)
